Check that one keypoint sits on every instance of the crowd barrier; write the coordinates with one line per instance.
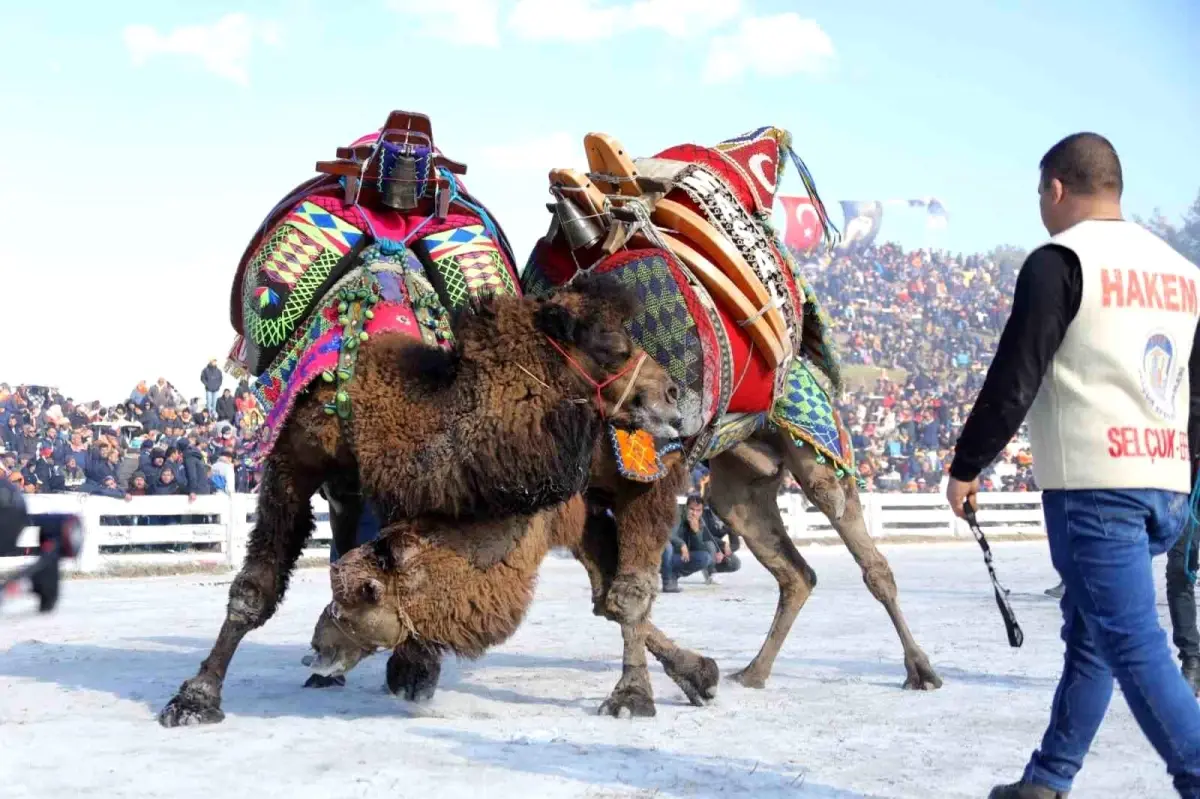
(164, 531)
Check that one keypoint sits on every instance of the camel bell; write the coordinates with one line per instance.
(581, 231)
(400, 185)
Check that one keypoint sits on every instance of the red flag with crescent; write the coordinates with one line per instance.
(802, 231)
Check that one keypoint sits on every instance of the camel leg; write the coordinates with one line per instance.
(345, 510)
(644, 514)
(414, 669)
(839, 501)
(695, 674)
(285, 521)
(746, 500)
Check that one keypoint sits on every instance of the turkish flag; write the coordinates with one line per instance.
(803, 230)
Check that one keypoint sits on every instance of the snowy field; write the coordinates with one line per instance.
(79, 692)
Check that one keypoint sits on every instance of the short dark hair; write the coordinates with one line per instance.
(1085, 163)
(695, 499)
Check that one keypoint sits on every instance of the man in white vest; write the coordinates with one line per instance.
(1101, 352)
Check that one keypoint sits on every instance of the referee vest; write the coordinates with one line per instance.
(1112, 408)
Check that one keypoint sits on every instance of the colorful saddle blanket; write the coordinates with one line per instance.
(727, 391)
(321, 275)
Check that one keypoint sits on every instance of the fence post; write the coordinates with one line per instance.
(873, 515)
(236, 534)
(89, 515)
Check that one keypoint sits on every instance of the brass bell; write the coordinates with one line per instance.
(400, 183)
(581, 231)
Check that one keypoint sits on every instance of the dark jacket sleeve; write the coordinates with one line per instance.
(1193, 428)
(1049, 288)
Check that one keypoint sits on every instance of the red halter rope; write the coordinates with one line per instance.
(634, 363)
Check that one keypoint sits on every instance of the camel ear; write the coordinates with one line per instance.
(557, 322)
(372, 591)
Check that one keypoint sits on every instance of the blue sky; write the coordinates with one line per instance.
(144, 141)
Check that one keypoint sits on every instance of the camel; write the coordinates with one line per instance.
(505, 423)
(428, 587)
(415, 591)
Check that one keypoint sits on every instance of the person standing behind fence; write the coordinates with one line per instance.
(211, 378)
(1101, 350)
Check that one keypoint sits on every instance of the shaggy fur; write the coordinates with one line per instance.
(501, 425)
(412, 592)
(408, 589)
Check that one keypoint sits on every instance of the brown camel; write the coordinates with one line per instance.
(504, 424)
(426, 588)
(408, 591)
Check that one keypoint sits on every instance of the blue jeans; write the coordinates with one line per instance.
(1101, 543)
(210, 401)
(674, 566)
(368, 530)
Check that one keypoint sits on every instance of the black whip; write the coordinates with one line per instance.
(1015, 636)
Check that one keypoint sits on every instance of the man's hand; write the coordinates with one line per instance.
(684, 555)
(720, 556)
(958, 492)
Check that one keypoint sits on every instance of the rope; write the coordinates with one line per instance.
(1015, 635)
(832, 234)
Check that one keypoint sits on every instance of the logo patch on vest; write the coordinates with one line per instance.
(1160, 375)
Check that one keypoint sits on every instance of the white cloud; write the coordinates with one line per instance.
(223, 47)
(467, 22)
(773, 46)
(589, 20)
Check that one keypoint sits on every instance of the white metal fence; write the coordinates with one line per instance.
(163, 531)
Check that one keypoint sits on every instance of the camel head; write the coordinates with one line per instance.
(585, 323)
(364, 616)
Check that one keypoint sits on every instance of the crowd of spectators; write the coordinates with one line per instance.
(928, 321)
(937, 317)
(156, 442)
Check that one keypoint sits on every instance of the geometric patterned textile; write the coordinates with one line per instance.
(673, 328)
(290, 256)
(732, 429)
(464, 263)
(638, 455)
(287, 275)
(324, 226)
(805, 412)
(326, 346)
(312, 238)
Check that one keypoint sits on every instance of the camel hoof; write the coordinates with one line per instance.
(921, 676)
(185, 711)
(417, 681)
(321, 681)
(748, 678)
(699, 684)
(627, 703)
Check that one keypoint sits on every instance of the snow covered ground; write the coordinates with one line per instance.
(79, 692)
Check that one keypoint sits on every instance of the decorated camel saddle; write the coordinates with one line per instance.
(384, 239)
(725, 308)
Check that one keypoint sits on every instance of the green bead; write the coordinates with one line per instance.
(363, 336)
(343, 307)
(351, 343)
(329, 408)
(342, 396)
(344, 375)
(327, 376)
(343, 319)
(370, 314)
